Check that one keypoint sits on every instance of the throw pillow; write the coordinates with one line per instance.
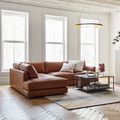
(67, 67)
(79, 66)
(29, 69)
(16, 66)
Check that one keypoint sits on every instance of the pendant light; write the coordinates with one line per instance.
(78, 25)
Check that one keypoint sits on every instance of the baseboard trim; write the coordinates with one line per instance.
(4, 79)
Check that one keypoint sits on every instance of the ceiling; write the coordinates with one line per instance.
(99, 3)
(77, 5)
(111, 2)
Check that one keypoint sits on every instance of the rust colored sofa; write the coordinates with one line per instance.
(50, 81)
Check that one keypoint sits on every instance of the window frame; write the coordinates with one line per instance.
(14, 41)
(64, 43)
(95, 44)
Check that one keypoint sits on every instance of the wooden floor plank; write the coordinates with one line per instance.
(14, 106)
(95, 114)
(90, 114)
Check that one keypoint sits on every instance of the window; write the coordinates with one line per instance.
(55, 38)
(14, 37)
(89, 42)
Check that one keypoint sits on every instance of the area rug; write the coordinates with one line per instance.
(76, 99)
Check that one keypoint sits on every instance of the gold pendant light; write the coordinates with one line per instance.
(89, 24)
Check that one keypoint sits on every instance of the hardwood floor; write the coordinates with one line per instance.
(14, 106)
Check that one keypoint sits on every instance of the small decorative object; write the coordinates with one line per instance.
(117, 38)
(102, 68)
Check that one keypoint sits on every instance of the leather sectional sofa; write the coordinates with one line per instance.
(50, 80)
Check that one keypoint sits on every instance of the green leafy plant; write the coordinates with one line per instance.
(117, 38)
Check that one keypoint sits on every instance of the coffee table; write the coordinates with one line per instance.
(95, 82)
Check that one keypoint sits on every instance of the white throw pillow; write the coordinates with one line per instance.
(68, 67)
(79, 66)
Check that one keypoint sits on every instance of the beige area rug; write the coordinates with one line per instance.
(76, 99)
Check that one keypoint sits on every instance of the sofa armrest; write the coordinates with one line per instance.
(17, 77)
(90, 68)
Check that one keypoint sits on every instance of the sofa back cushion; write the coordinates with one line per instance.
(53, 66)
(29, 70)
(89, 68)
(39, 66)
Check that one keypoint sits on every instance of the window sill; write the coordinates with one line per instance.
(4, 73)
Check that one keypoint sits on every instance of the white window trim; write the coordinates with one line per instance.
(0, 43)
(95, 44)
(64, 43)
(7, 41)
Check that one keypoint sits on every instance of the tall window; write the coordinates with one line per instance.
(89, 42)
(14, 37)
(55, 38)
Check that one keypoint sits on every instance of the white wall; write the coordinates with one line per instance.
(36, 32)
(115, 49)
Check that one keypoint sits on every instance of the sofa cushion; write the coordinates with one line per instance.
(53, 66)
(39, 66)
(68, 75)
(45, 81)
(29, 69)
(89, 68)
